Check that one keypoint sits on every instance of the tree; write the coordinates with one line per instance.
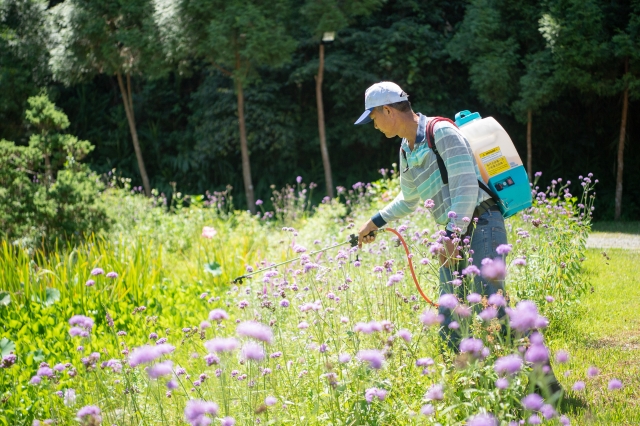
(115, 37)
(509, 67)
(237, 37)
(330, 16)
(23, 60)
(596, 45)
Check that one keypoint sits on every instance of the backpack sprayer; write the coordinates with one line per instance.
(353, 240)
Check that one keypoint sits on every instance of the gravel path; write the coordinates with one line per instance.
(613, 240)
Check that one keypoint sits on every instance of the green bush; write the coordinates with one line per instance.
(46, 194)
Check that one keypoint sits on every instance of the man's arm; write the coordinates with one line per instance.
(463, 182)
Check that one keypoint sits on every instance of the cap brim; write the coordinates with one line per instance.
(364, 118)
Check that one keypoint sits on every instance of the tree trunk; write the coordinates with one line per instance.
(321, 130)
(529, 149)
(128, 109)
(623, 127)
(246, 165)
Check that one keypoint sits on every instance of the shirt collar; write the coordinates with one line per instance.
(420, 134)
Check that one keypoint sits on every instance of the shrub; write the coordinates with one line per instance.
(46, 194)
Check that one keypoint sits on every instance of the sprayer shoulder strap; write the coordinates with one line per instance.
(431, 141)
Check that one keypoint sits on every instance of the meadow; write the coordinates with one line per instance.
(146, 324)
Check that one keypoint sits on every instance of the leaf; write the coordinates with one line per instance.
(6, 347)
(5, 298)
(38, 355)
(52, 296)
(213, 268)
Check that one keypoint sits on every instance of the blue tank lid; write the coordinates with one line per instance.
(464, 117)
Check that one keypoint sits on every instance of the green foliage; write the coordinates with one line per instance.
(164, 285)
(333, 16)
(46, 193)
(24, 59)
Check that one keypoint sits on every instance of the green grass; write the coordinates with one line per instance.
(605, 334)
(617, 227)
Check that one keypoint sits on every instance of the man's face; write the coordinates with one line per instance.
(384, 120)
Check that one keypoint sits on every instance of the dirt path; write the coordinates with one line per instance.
(614, 240)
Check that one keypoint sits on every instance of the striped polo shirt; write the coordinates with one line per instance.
(420, 178)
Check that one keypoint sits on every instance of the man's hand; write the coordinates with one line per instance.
(363, 234)
(448, 255)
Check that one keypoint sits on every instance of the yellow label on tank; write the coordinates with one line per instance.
(494, 162)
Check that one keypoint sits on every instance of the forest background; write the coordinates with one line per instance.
(171, 75)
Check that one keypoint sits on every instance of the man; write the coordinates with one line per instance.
(454, 205)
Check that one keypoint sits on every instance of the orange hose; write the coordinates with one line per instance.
(413, 273)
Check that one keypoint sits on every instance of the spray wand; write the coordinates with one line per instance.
(353, 240)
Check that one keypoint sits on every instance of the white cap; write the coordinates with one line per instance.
(383, 93)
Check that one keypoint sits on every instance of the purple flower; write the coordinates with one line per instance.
(145, 354)
(435, 393)
(537, 354)
(160, 369)
(299, 179)
(532, 402)
(222, 344)
(258, 202)
(429, 204)
(427, 410)
(489, 314)
(253, 351)
(91, 411)
(97, 271)
(395, 278)
(549, 299)
(525, 317)
(196, 410)
(35, 380)
(578, 386)
(172, 384)
(45, 372)
(344, 358)
(448, 301)
(471, 345)
(503, 249)
(77, 331)
(452, 215)
(227, 421)
(548, 411)
(496, 299)
(482, 420)
(453, 325)
(593, 371)
(90, 283)
(255, 330)
(502, 383)
(211, 359)
(474, 298)
(112, 274)
(367, 328)
(615, 384)
(218, 315)
(59, 367)
(562, 356)
(303, 325)
(534, 419)
(270, 400)
(405, 335)
(371, 393)
(509, 364)
(471, 269)
(373, 356)
(430, 318)
(81, 321)
(494, 270)
(564, 420)
(424, 362)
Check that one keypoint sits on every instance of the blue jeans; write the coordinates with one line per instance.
(488, 234)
